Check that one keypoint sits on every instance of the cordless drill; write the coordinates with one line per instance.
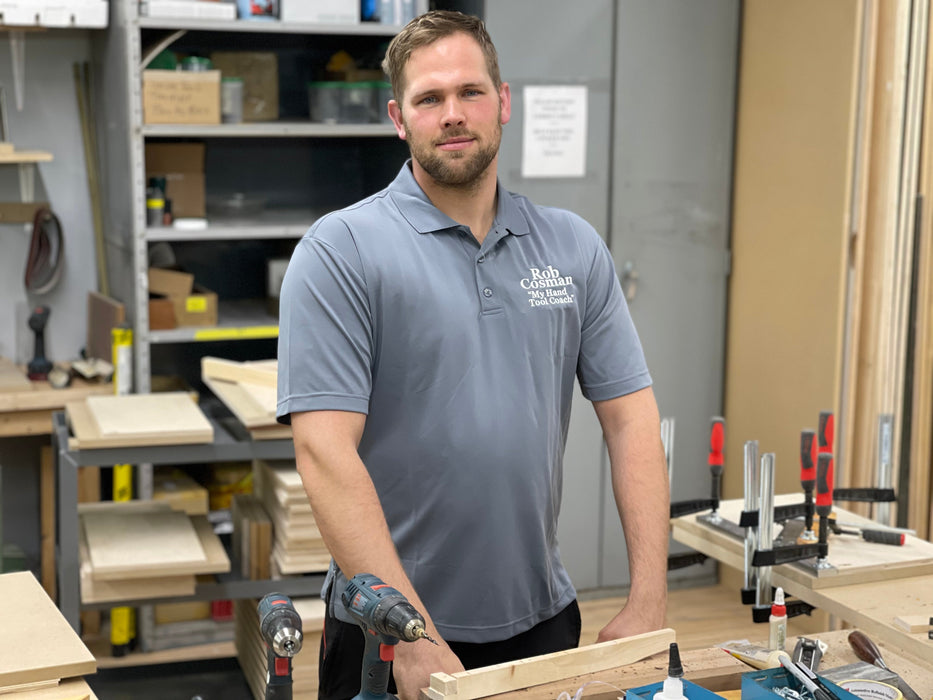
(386, 616)
(280, 626)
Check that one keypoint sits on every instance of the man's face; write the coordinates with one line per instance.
(451, 113)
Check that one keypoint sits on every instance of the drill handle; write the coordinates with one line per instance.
(378, 655)
(279, 676)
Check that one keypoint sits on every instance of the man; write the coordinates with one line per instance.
(429, 340)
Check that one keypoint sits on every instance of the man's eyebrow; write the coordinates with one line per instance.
(432, 90)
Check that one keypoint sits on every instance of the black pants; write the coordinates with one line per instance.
(341, 654)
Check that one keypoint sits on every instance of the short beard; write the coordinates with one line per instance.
(442, 170)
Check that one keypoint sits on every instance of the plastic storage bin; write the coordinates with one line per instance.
(357, 103)
(324, 101)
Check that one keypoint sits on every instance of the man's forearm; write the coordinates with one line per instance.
(346, 507)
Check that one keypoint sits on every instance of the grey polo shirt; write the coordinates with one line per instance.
(463, 357)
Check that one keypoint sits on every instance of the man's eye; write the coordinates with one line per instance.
(428, 100)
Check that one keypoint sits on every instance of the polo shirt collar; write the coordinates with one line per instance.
(418, 210)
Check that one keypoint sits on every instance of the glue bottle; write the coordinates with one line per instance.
(777, 622)
(673, 688)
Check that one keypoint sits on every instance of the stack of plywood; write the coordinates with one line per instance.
(170, 418)
(298, 547)
(252, 536)
(248, 389)
(143, 549)
(41, 656)
(179, 490)
(251, 651)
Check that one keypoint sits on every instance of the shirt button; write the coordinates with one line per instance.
(487, 292)
(482, 259)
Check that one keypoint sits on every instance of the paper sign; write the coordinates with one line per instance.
(554, 131)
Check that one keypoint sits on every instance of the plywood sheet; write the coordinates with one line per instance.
(12, 378)
(142, 544)
(37, 643)
(261, 373)
(170, 418)
(133, 589)
(853, 559)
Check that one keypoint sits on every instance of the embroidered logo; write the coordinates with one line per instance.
(547, 287)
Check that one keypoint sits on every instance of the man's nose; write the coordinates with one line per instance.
(453, 113)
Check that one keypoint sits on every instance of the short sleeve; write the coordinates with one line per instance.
(325, 347)
(611, 361)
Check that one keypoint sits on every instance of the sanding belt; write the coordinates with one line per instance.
(46, 253)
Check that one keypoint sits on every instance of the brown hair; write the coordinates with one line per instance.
(425, 30)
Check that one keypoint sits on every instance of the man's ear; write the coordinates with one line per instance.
(505, 99)
(395, 114)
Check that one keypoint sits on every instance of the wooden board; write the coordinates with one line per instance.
(242, 404)
(41, 396)
(37, 643)
(853, 559)
(795, 136)
(103, 315)
(261, 373)
(12, 378)
(547, 668)
(139, 545)
(170, 418)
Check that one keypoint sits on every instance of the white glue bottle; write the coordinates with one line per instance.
(673, 688)
(777, 622)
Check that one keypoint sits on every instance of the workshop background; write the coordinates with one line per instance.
(760, 170)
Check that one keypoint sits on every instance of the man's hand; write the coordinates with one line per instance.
(416, 661)
(632, 620)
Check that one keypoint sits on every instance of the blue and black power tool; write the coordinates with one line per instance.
(386, 617)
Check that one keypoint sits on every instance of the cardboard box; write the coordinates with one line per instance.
(320, 11)
(260, 73)
(181, 97)
(192, 304)
(182, 166)
(161, 314)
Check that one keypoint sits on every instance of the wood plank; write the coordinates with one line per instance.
(262, 372)
(142, 544)
(914, 624)
(146, 414)
(25, 423)
(708, 667)
(37, 643)
(547, 668)
(156, 421)
(103, 315)
(242, 404)
(67, 689)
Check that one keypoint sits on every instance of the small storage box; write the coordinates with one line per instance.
(181, 97)
(757, 685)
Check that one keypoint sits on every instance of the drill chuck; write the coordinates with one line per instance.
(280, 625)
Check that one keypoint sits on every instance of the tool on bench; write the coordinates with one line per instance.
(866, 650)
(750, 589)
(826, 435)
(39, 366)
(809, 652)
(808, 481)
(824, 504)
(386, 617)
(280, 627)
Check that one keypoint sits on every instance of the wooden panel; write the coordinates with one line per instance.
(261, 372)
(170, 418)
(138, 545)
(133, 589)
(103, 315)
(47, 520)
(482, 682)
(794, 138)
(37, 643)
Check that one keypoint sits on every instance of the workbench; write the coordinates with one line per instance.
(871, 601)
(715, 670)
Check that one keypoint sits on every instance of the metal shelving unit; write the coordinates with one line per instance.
(226, 447)
(119, 54)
